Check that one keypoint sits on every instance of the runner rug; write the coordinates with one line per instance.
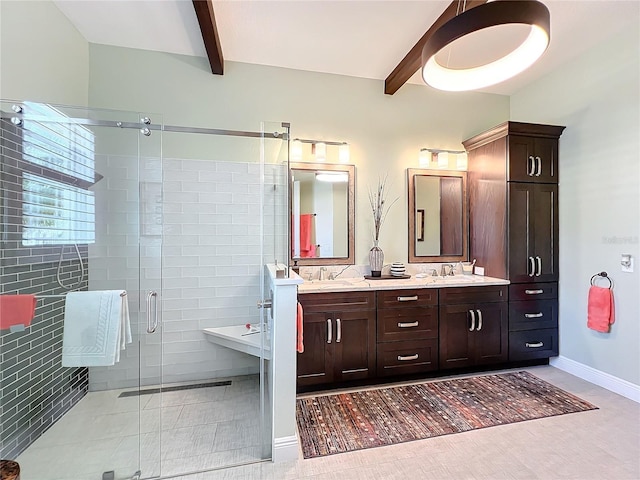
(345, 422)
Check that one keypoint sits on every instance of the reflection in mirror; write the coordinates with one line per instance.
(322, 214)
(437, 215)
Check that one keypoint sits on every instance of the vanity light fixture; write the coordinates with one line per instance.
(333, 177)
(491, 14)
(343, 153)
(319, 150)
(440, 158)
(296, 150)
(424, 158)
(461, 161)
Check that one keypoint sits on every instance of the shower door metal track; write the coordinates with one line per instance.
(17, 118)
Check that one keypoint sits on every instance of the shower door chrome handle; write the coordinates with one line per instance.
(151, 326)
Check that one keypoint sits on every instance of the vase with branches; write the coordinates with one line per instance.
(379, 208)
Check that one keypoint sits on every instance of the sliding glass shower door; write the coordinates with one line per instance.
(81, 218)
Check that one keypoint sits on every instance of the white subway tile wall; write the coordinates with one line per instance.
(211, 261)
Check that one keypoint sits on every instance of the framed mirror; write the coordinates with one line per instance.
(438, 229)
(322, 214)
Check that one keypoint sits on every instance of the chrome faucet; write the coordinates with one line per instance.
(434, 272)
(446, 269)
(321, 274)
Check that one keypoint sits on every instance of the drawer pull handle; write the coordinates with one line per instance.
(404, 358)
(473, 320)
(534, 345)
(328, 330)
(408, 299)
(479, 320)
(338, 331)
(534, 292)
(407, 324)
(533, 315)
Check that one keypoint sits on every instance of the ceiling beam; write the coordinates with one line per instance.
(412, 62)
(207, 21)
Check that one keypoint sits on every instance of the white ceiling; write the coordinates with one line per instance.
(359, 38)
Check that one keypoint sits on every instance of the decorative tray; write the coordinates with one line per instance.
(387, 277)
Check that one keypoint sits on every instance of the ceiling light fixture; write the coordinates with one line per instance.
(492, 14)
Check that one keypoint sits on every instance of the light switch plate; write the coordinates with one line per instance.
(629, 267)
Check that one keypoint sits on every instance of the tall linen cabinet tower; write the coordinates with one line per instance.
(513, 227)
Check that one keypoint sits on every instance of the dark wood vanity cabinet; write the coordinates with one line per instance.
(513, 226)
(533, 321)
(473, 326)
(407, 336)
(533, 232)
(533, 159)
(339, 331)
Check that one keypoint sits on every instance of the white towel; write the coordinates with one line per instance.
(96, 328)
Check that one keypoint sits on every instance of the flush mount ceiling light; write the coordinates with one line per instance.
(492, 14)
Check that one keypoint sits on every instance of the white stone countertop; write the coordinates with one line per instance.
(417, 281)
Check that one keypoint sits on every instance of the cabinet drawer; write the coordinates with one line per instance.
(533, 291)
(397, 324)
(532, 344)
(337, 301)
(414, 356)
(533, 314)
(457, 295)
(407, 298)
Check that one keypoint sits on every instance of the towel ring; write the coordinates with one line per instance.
(601, 275)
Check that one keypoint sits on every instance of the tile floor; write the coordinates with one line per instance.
(601, 444)
(181, 431)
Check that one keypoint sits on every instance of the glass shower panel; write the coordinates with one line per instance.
(71, 222)
(274, 165)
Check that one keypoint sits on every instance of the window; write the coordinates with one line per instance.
(54, 213)
(57, 207)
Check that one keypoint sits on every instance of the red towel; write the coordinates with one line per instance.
(307, 249)
(600, 311)
(299, 344)
(17, 310)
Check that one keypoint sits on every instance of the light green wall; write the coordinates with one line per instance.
(385, 132)
(597, 97)
(42, 56)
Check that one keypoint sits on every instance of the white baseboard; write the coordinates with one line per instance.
(604, 380)
(285, 449)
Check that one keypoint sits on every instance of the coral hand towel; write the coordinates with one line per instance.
(17, 310)
(299, 344)
(600, 311)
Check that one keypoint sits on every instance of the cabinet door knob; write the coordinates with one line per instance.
(534, 345)
(473, 320)
(539, 266)
(479, 320)
(404, 358)
(328, 330)
(407, 324)
(533, 315)
(338, 331)
(532, 267)
(531, 166)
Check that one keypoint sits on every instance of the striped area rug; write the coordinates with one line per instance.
(345, 422)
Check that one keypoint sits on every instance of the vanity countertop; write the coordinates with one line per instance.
(361, 283)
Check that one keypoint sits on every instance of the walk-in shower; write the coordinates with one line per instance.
(182, 220)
